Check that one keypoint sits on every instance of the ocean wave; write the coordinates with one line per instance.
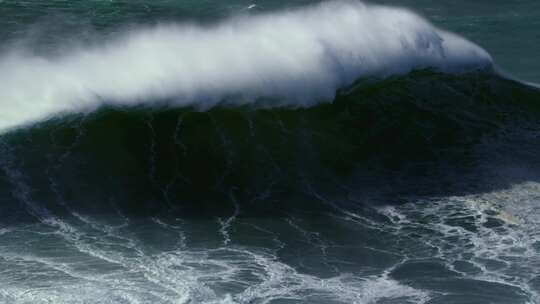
(290, 58)
(423, 127)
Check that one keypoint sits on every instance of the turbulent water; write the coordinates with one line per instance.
(269, 152)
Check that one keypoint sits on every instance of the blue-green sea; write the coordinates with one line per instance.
(265, 151)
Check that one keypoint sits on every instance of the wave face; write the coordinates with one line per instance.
(295, 58)
(190, 158)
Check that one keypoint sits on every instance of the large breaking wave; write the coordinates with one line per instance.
(423, 133)
(201, 164)
(295, 58)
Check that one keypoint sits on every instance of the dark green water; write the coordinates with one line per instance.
(360, 156)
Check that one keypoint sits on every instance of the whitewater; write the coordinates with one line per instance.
(293, 58)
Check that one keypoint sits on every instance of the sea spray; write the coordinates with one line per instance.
(292, 58)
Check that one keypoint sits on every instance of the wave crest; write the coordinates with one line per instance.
(294, 58)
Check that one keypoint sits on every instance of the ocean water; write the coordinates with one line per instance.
(270, 152)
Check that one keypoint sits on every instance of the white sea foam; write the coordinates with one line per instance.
(295, 58)
(468, 233)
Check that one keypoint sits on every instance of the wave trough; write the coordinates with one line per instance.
(291, 58)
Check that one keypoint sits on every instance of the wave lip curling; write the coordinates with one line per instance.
(295, 58)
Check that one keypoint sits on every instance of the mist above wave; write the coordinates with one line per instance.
(294, 58)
